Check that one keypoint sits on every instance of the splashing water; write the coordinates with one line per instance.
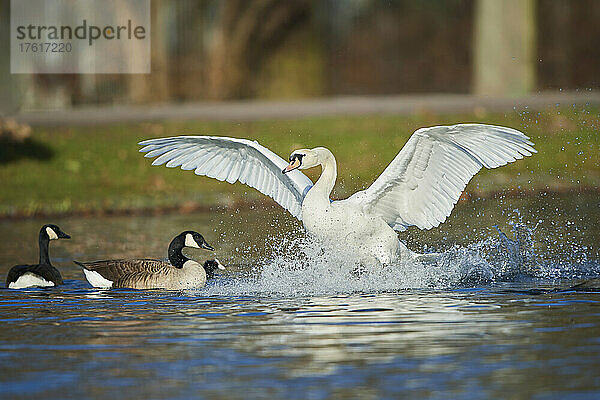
(304, 266)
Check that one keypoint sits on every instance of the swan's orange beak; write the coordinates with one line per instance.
(293, 165)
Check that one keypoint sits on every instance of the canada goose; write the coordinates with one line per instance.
(419, 188)
(42, 274)
(211, 266)
(180, 273)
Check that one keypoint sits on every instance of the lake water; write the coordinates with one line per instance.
(496, 317)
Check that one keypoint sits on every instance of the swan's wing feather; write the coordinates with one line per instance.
(423, 183)
(231, 160)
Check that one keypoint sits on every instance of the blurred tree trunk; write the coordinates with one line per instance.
(144, 88)
(562, 39)
(9, 99)
(248, 32)
(505, 47)
(187, 55)
(556, 45)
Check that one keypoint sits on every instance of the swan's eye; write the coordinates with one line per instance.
(296, 156)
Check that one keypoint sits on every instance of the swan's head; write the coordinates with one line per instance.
(303, 159)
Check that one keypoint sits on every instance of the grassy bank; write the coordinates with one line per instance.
(99, 168)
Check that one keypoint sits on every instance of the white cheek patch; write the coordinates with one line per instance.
(219, 265)
(97, 280)
(190, 242)
(51, 234)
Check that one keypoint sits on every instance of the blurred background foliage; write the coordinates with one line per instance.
(271, 49)
(220, 51)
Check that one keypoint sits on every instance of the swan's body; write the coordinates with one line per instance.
(365, 236)
(43, 274)
(178, 274)
(419, 187)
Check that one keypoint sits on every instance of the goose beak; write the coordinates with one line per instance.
(62, 235)
(293, 165)
(207, 246)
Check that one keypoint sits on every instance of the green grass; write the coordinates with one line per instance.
(99, 168)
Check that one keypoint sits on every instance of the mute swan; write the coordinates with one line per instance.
(42, 274)
(419, 188)
(181, 273)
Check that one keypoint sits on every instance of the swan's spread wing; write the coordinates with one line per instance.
(423, 183)
(231, 160)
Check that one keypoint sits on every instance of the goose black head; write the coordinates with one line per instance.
(190, 239)
(196, 240)
(186, 239)
(53, 232)
(211, 266)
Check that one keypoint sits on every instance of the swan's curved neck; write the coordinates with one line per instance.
(326, 181)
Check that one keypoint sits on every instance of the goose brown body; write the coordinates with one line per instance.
(148, 274)
(179, 273)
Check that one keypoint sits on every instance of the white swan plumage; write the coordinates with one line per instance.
(418, 188)
(229, 159)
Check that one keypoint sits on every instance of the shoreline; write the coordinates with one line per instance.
(191, 207)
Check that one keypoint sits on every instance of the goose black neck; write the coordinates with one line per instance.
(176, 257)
(44, 241)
